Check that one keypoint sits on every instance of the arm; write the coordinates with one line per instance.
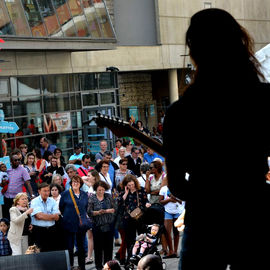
(147, 183)
(29, 187)
(48, 217)
(14, 216)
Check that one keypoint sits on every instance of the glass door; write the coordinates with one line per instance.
(92, 133)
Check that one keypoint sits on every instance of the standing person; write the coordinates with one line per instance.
(24, 149)
(44, 215)
(173, 209)
(122, 172)
(128, 145)
(121, 155)
(118, 145)
(5, 249)
(20, 224)
(18, 176)
(134, 161)
(76, 158)
(218, 117)
(132, 196)
(30, 166)
(85, 167)
(153, 182)
(104, 174)
(71, 221)
(71, 171)
(40, 163)
(150, 155)
(140, 127)
(101, 208)
(44, 145)
(103, 147)
(144, 168)
(58, 153)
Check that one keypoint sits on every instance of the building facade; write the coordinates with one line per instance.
(69, 59)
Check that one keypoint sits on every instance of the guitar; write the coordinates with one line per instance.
(122, 128)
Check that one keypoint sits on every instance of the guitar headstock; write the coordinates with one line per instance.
(118, 126)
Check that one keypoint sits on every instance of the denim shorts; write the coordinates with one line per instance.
(171, 216)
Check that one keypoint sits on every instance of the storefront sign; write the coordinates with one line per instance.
(57, 122)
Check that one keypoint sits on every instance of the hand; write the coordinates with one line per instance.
(147, 205)
(101, 211)
(147, 174)
(30, 228)
(29, 211)
(126, 190)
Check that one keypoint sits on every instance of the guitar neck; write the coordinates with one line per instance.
(146, 140)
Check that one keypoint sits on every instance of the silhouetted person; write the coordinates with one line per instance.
(222, 144)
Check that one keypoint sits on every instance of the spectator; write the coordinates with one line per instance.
(118, 144)
(112, 265)
(129, 200)
(134, 162)
(128, 145)
(32, 127)
(30, 166)
(153, 182)
(3, 177)
(89, 180)
(71, 171)
(151, 155)
(46, 146)
(58, 153)
(56, 191)
(121, 155)
(71, 220)
(44, 215)
(40, 163)
(58, 179)
(5, 249)
(55, 168)
(48, 157)
(121, 173)
(23, 148)
(18, 176)
(104, 174)
(143, 168)
(112, 166)
(76, 158)
(20, 224)
(141, 128)
(101, 209)
(150, 262)
(103, 147)
(4, 148)
(85, 167)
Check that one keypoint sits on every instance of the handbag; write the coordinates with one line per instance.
(84, 221)
(137, 212)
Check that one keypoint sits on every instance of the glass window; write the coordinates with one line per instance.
(63, 140)
(56, 103)
(28, 86)
(50, 18)
(90, 14)
(34, 18)
(74, 119)
(90, 99)
(27, 105)
(64, 17)
(88, 81)
(72, 102)
(4, 88)
(18, 17)
(78, 101)
(5, 105)
(106, 80)
(107, 98)
(6, 27)
(79, 18)
(55, 84)
(103, 19)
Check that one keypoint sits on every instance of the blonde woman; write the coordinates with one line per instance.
(20, 224)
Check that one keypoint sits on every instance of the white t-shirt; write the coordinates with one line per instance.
(170, 207)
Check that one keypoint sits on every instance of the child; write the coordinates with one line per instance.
(3, 177)
(143, 241)
(5, 249)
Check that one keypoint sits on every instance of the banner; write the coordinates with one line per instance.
(57, 122)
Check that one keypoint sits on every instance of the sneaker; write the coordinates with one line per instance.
(89, 260)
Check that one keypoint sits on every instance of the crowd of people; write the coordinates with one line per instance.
(83, 204)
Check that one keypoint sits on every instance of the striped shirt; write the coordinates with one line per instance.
(17, 178)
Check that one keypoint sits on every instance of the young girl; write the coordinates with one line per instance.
(5, 249)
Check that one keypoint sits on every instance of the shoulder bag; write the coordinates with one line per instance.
(84, 222)
(137, 212)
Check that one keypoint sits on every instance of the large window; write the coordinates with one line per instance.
(55, 18)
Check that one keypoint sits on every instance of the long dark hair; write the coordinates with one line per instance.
(221, 46)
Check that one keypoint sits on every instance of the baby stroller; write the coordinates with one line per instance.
(152, 215)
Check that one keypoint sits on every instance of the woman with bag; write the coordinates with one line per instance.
(134, 199)
(73, 206)
(102, 208)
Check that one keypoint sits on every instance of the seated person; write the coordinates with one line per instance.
(144, 241)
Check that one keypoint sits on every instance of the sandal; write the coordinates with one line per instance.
(89, 260)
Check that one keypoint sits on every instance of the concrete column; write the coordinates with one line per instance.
(173, 85)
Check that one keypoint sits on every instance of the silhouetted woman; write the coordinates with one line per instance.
(222, 144)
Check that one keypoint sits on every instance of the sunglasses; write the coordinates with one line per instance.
(124, 163)
(16, 159)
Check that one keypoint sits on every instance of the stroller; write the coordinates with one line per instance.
(152, 215)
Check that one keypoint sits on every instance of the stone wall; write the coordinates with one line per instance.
(135, 89)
